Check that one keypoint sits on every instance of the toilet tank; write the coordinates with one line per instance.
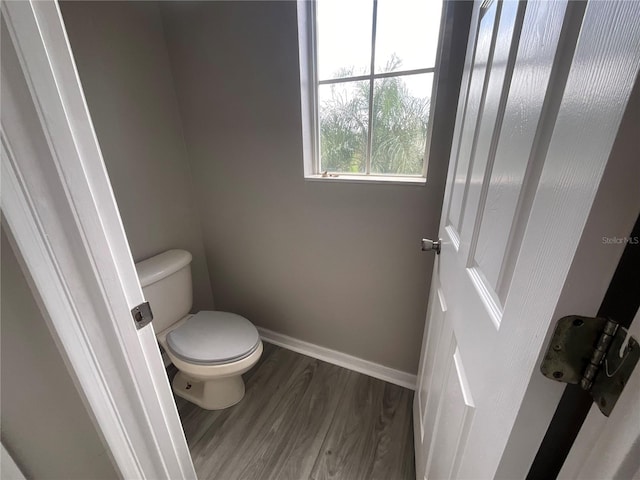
(166, 283)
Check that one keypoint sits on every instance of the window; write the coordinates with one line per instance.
(367, 78)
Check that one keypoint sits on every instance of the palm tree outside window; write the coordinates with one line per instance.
(373, 65)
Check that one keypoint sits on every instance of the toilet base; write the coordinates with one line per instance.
(213, 394)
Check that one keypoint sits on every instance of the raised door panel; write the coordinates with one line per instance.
(512, 179)
(471, 113)
(432, 373)
(499, 69)
(454, 417)
(501, 174)
(445, 402)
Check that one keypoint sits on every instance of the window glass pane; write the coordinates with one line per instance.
(400, 117)
(344, 113)
(344, 38)
(407, 34)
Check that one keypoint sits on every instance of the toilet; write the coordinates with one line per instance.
(211, 349)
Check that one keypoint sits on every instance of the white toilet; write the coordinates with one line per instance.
(210, 349)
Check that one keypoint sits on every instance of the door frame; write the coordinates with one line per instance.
(63, 222)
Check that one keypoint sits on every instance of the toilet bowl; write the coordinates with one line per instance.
(210, 349)
(210, 357)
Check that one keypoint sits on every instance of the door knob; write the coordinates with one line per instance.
(430, 245)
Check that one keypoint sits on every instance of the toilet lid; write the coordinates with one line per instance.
(211, 338)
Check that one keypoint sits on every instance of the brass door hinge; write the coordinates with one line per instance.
(595, 353)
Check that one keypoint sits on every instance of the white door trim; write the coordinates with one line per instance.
(62, 218)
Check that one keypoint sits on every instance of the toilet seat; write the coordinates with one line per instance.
(213, 338)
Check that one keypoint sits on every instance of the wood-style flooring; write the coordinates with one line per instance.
(302, 418)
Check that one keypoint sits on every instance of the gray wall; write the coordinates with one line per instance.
(123, 64)
(45, 426)
(334, 264)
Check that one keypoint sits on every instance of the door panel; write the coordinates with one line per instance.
(444, 396)
(500, 84)
(492, 108)
(512, 176)
(491, 299)
(454, 419)
(472, 112)
(433, 370)
(431, 373)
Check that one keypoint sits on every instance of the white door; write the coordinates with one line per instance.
(609, 447)
(543, 92)
(61, 216)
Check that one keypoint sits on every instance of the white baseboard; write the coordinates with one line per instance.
(356, 364)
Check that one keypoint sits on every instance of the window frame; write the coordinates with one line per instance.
(309, 84)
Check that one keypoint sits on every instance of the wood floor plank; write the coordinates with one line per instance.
(197, 422)
(275, 430)
(294, 455)
(229, 446)
(205, 426)
(300, 419)
(394, 458)
(349, 448)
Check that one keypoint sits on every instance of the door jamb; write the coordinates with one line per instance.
(61, 217)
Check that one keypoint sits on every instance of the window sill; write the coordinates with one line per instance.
(389, 180)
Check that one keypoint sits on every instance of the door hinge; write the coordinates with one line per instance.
(596, 353)
(142, 315)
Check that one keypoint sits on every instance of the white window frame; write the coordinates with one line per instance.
(309, 83)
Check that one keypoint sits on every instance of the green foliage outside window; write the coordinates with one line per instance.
(399, 126)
